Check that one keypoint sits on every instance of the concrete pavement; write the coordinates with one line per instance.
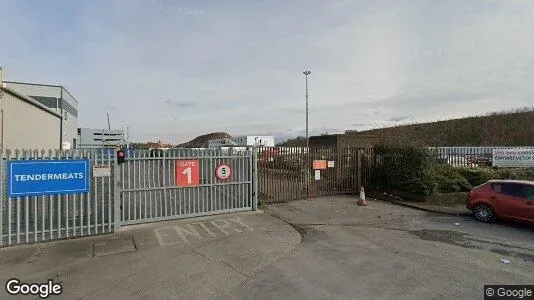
(186, 259)
(384, 251)
(456, 209)
(334, 249)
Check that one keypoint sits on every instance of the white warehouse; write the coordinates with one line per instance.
(243, 141)
(57, 99)
(26, 123)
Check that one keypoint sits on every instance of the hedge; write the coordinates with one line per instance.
(448, 179)
(413, 169)
(401, 167)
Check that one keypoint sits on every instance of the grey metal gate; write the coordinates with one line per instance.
(33, 219)
(150, 191)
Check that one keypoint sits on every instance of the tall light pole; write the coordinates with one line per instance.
(306, 73)
(127, 137)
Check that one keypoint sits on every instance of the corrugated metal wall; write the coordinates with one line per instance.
(38, 129)
(70, 123)
(67, 105)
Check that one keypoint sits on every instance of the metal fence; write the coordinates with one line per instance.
(43, 218)
(149, 191)
(467, 156)
(143, 189)
(288, 173)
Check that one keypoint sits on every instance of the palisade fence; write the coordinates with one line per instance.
(287, 173)
(49, 217)
(470, 157)
(145, 188)
(149, 190)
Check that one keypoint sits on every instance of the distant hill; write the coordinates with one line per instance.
(507, 128)
(511, 128)
(202, 140)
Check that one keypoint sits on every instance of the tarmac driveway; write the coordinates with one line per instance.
(184, 259)
(343, 251)
(383, 251)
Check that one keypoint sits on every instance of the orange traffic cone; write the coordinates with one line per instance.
(362, 201)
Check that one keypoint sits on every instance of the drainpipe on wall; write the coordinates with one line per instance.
(60, 104)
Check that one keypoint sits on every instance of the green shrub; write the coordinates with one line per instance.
(519, 174)
(424, 185)
(402, 167)
(527, 174)
(507, 174)
(413, 169)
(449, 179)
(478, 176)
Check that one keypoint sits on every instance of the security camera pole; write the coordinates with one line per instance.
(306, 73)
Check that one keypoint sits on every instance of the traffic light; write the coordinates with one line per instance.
(120, 157)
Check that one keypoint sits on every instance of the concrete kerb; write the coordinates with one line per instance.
(421, 208)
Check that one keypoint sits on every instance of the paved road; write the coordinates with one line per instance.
(343, 251)
(183, 259)
(384, 251)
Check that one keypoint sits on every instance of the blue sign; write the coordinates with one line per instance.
(47, 177)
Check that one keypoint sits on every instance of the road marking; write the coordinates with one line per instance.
(226, 224)
(192, 231)
(172, 235)
(239, 221)
(203, 225)
(159, 236)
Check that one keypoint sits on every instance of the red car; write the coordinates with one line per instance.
(502, 199)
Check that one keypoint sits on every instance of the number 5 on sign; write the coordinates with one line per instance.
(187, 173)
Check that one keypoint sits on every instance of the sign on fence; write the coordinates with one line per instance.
(102, 171)
(223, 172)
(47, 177)
(513, 157)
(319, 164)
(187, 173)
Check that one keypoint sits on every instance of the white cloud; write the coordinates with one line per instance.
(241, 65)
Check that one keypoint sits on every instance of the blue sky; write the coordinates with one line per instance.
(172, 70)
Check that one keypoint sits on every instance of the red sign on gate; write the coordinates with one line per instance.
(187, 173)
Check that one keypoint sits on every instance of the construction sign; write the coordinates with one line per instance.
(319, 164)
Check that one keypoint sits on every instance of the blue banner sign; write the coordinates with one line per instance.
(47, 177)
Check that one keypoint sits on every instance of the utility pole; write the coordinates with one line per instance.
(127, 137)
(307, 73)
(109, 124)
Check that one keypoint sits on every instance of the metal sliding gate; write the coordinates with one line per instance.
(183, 183)
(31, 219)
(147, 187)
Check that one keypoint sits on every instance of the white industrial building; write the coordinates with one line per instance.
(243, 141)
(90, 138)
(57, 99)
(25, 123)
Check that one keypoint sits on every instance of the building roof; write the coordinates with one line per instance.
(42, 84)
(98, 130)
(30, 101)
